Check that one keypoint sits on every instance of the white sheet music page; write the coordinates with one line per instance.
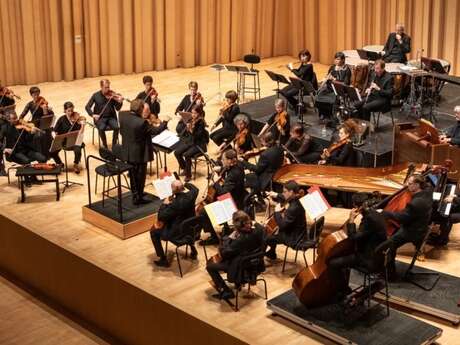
(165, 138)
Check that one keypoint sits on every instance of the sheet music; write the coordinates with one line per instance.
(166, 139)
(314, 204)
(163, 186)
(221, 211)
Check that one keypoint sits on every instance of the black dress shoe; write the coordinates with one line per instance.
(143, 201)
(194, 255)
(209, 241)
(271, 255)
(162, 262)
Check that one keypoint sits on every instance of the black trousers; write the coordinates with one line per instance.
(105, 124)
(398, 239)
(310, 158)
(289, 92)
(222, 134)
(137, 176)
(372, 105)
(184, 154)
(76, 152)
(26, 157)
(156, 236)
(213, 270)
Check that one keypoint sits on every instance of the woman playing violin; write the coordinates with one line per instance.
(69, 122)
(278, 123)
(7, 100)
(150, 95)
(340, 152)
(226, 116)
(187, 102)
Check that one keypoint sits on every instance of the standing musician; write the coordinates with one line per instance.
(302, 146)
(18, 139)
(173, 211)
(279, 123)
(270, 160)
(69, 122)
(193, 136)
(243, 139)
(371, 233)
(137, 147)
(453, 133)
(103, 106)
(244, 240)
(226, 116)
(397, 46)
(342, 152)
(305, 72)
(189, 100)
(414, 218)
(378, 93)
(231, 180)
(326, 98)
(290, 220)
(150, 95)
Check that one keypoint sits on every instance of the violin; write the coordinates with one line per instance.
(253, 152)
(41, 102)
(335, 146)
(152, 93)
(198, 97)
(225, 107)
(5, 92)
(43, 166)
(240, 138)
(76, 117)
(27, 126)
(211, 193)
(281, 120)
(115, 95)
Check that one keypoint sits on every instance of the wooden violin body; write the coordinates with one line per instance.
(157, 225)
(317, 285)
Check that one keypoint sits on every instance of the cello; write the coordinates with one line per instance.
(317, 284)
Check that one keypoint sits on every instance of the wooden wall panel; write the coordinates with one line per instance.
(50, 40)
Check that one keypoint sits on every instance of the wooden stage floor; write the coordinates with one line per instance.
(131, 260)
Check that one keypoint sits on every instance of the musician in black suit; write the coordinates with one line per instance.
(371, 233)
(398, 44)
(302, 146)
(279, 123)
(414, 218)
(172, 213)
(186, 104)
(269, 162)
(452, 135)
(150, 95)
(305, 72)
(231, 181)
(344, 155)
(102, 107)
(244, 240)
(445, 223)
(226, 117)
(193, 138)
(291, 222)
(137, 147)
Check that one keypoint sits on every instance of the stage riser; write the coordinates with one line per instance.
(104, 300)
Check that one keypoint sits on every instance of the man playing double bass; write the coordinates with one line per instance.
(244, 240)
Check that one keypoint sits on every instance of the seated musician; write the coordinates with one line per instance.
(69, 122)
(453, 133)
(279, 123)
(244, 240)
(378, 93)
(226, 116)
(291, 221)
(193, 136)
(231, 180)
(19, 144)
(326, 98)
(102, 107)
(186, 104)
(371, 233)
(150, 95)
(305, 72)
(445, 223)
(7, 101)
(243, 140)
(302, 146)
(341, 153)
(173, 211)
(398, 44)
(414, 219)
(270, 160)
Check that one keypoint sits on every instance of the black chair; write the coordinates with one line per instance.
(251, 266)
(410, 275)
(190, 231)
(199, 157)
(375, 116)
(309, 239)
(111, 168)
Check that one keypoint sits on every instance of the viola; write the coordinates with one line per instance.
(254, 152)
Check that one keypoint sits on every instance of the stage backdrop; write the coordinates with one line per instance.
(51, 40)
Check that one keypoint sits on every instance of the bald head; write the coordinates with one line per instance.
(177, 186)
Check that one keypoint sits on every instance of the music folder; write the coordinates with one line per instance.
(345, 91)
(279, 78)
(221, 211)
(63, 141)
(300, 84)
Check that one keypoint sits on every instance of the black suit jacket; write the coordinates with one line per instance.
(416, 216)
(232, 251)
(385, 83)
(269, 162)
(293, 222)
(233, 184)
(154, 106)
(181, 208)
(402, 48)
(136, 136)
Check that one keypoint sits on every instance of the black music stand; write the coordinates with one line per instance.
(303, 87)
(63, 142)
(347, 94)
(238, 70)
(432, 65)
(368, 55)
(45, 122)
(278, 78)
